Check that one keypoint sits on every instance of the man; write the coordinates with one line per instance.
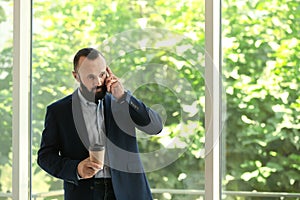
(100, 113)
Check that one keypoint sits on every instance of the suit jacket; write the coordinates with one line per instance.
(64, 143)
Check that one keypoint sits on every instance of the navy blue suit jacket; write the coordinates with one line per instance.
(64, 145)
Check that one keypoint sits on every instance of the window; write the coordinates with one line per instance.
(261, 79)
(165, 44)
(157, 48)
(6, 62)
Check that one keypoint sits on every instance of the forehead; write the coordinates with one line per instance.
(86, 65)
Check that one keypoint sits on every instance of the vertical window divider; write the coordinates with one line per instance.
(212, 99)
(21, 100)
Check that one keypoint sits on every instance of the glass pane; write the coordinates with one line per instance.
(157, 49)
(261, 78)
(6, 62)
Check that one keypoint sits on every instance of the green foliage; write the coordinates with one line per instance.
(261, 69)
(2, 15)
(5, 100)
(165, 77)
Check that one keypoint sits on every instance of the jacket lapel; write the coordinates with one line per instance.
(79, 120)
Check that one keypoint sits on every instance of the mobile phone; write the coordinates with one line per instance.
(107, 74)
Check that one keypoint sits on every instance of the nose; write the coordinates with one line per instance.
(98, 81)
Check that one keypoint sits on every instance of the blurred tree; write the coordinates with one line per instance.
(164, 72)
(261, 69)
(5, 96)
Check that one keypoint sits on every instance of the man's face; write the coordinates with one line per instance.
(91, 75)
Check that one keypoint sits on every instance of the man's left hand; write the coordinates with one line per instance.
(113, 84)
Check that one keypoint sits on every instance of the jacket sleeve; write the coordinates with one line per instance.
(130, 110)
(49, 154)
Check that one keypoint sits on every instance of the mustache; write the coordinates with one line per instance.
(98, 87)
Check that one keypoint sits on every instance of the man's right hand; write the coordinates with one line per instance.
(87, 168)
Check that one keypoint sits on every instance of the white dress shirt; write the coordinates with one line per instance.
(93, 115)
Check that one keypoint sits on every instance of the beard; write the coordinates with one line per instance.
(93, 95)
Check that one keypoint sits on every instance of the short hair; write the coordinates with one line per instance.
(90, 53)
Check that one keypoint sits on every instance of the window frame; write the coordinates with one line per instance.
(22, 32)
(212, 99)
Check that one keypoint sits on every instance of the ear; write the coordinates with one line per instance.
(75, 75)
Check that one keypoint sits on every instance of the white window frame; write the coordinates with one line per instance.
(21, 100)
(212, 99)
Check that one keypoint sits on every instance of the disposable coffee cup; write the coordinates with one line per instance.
(97, 155)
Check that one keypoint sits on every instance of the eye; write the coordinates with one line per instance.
(91, 77)
(102, 74)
